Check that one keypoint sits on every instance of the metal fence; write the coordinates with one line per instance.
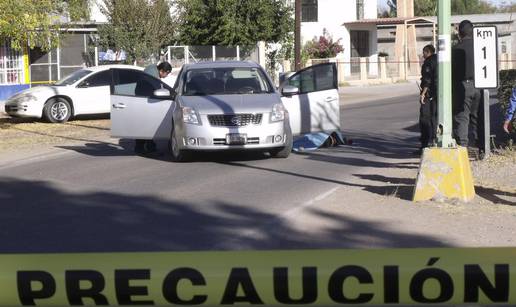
(179, 55)
(11, 65)
(385, 69)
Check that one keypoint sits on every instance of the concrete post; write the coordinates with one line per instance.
(383, 68)
(363, 69)
(261, 54)
(401, 68)
(341, 65)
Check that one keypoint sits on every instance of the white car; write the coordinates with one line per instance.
(86, 91)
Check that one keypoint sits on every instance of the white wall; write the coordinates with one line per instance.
(96, 15)
(332, 14)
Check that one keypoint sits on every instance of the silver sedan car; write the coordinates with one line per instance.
(213, 106)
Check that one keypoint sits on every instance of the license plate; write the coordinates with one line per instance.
(236, 139)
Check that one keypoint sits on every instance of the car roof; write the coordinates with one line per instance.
(223, 64)
(106, 67)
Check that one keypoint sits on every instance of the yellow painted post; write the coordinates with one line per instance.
(444, 173)
(26, 65)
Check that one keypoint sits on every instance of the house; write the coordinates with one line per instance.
(358, 41)
(29, 67)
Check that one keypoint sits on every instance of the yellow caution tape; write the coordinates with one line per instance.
(271, 278)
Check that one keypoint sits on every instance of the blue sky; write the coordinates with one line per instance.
(382, 3)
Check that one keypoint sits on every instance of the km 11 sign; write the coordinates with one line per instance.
(485, 41)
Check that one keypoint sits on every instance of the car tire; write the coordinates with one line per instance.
(284, 152)
(57, 110)
(177, 154)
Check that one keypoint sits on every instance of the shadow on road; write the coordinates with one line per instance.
(49, 220)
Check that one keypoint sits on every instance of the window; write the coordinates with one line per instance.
(102, 78)
(309, 11)
(314, 79)
(225, 81)
(359, 44)
(74, 77)
(360, 9)
(11, 65)
(128, 82)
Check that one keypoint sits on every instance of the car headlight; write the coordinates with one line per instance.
(24, 99)
(190, 116)
(278, 113)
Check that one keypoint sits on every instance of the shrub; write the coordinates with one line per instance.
(324, 47)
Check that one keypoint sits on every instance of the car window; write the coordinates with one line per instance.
(102, 78)
(324, 77)
(314, 79)
(73, 77)
(136, 83)
(225, 81)
(304, 81)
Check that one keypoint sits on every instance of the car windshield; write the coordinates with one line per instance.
(226, 81)
(74, 77)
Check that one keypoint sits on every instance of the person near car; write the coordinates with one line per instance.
(509, 114)
(428, 98)
(160, 71)
(466, 98)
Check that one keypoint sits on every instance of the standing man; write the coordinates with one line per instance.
(428, 98)
(466, 98)
(160, 71)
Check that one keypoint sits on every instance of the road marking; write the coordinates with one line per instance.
(255, 233)
(307, 204)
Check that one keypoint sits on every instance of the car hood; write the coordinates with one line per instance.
(39, 92)
(231, 104)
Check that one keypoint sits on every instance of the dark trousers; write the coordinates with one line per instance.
(466, 104)
(428, 121)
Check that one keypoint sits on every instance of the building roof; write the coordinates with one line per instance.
(389, 21)
(501, 18)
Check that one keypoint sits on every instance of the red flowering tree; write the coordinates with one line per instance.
(323, 47)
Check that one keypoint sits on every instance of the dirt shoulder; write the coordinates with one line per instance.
(20, 136)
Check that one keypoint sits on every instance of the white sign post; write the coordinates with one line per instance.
(485, 41)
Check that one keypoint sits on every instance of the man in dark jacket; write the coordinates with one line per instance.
(159, 72)
(428, 98)
(466, 98)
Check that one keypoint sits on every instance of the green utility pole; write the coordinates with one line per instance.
(445, 82)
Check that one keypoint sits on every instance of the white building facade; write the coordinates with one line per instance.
(359, 41)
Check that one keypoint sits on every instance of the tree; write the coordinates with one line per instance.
(233, 22)
(36, 22)
(139, 27)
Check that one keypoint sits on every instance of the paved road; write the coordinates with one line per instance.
(100, 197)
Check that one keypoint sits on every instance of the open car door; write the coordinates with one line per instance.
(315, 108)
(135, 112)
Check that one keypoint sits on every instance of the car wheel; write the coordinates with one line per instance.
(176, 153)
(285, 151)
(57, 110)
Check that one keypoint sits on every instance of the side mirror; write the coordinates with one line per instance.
(161, 93)
(289, 91)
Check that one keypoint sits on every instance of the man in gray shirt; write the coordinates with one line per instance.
(160, 71)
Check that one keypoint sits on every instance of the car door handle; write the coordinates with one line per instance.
(119, 106)
(330, 99)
